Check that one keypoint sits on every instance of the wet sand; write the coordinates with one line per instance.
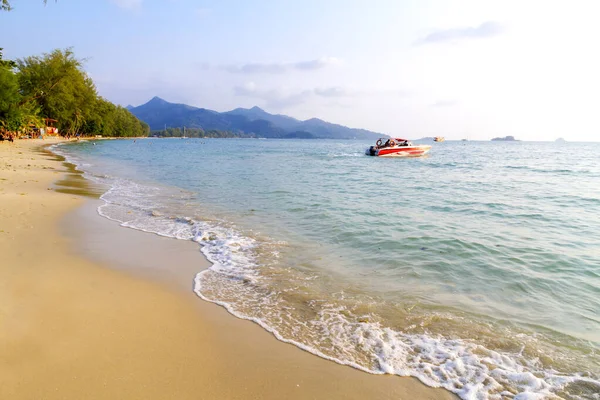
(91, 310)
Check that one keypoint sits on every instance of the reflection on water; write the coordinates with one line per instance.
(73, 182)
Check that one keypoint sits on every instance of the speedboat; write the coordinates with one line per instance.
(396, 147)
(438, 139)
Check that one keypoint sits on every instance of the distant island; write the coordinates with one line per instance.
(164, 119)
(560, 140)
(505, 139)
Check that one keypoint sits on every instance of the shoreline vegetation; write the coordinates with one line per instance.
(197, 133)
(51, 95)
(215, 133)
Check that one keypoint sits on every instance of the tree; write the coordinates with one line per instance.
(101, 120)
(15, 115)
(55, 86)
(5, 5)
(6, 63)
(58, 84)
(9, 98)
(106, 119)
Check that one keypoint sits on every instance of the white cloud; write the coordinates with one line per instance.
(317, 64)
(339, 91)
(520, 73)
(282, 97)
(273, 98)
(247, 89)
(334, 91)
(278, 68)
(485, 30)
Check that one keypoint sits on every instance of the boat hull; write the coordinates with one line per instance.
(399, 151)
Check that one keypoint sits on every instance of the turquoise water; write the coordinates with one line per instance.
(476, 269)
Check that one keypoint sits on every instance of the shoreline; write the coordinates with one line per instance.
(96, 311)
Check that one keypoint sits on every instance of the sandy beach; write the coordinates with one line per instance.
(90, 310)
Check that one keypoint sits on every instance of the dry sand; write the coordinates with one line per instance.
(90, 310)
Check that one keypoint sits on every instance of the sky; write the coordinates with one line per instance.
(472, 69)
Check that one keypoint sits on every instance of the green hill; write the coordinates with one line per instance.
(159, 114)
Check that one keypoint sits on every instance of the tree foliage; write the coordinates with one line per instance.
(15, 113)
(110, 120)
(59, 86)
(5, 5)
(199, 133)
(6, 63)
(9, 98)
(55, 86)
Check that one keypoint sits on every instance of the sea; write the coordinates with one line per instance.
(475, 268)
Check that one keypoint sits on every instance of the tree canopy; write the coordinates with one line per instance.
(199, 133)
(55, 86)
(6, 63)
(5, 5)
(15, 112)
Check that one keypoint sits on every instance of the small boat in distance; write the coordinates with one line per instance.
(438, 139)
(396, 147)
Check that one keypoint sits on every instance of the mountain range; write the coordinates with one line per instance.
(255, 121)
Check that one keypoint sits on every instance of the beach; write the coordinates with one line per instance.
(92, 310)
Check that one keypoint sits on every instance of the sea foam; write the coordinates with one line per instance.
(330, 329)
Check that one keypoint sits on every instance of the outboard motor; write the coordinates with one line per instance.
(372, 150)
